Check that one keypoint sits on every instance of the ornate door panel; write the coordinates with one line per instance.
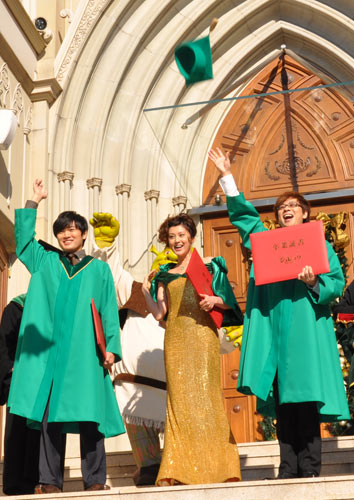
(303, 140)
(221, 238)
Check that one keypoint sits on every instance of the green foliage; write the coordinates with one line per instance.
(267, 428)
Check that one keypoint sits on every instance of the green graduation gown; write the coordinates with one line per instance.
(57, 353)
(288, 329)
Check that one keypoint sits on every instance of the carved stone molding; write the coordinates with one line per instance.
(91, 14)
(4, 85)
(67, 13)
(65, 176)
(123, 188)
(27, 128)
(46, 89)
(180, 201)
(151, 195)
(94, 182)
(17, 101)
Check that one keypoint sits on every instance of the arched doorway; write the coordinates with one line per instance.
(298, 141)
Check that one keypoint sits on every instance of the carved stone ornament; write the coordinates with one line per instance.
(27, 128)
(94, 182)
(65, 176)
(179, 200)
(152, 194)
(91, 14)
(123, 188)
(4, 85)
(67, 13)
(17, 101)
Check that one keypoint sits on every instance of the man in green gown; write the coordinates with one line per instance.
(61, 382)
(289, 356)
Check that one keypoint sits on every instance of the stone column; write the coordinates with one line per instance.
(94, 186)
(65, 180)
(179, 204)
(123, 193)
(151, 197)
(16, 106)
(26, 132)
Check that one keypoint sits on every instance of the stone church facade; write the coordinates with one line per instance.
(99, 106)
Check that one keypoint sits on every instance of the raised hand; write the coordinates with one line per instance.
(106, 228)
(220, 160)
(39, 191)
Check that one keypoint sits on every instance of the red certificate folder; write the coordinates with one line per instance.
(281, 254)
(201, 279)
(100, 338)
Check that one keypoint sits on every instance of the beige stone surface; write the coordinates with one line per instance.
(114, 59)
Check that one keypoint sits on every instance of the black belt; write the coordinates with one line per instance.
(139, 379)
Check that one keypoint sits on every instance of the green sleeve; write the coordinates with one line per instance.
(28, 250)
(330, 284)
(109, 314)
(245, 217)
(222, 288)
(162, 276)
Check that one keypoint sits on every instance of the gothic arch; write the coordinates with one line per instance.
(126, 64)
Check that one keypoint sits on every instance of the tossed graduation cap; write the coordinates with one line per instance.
(194, 60)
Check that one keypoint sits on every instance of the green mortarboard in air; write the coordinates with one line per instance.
(194, 60)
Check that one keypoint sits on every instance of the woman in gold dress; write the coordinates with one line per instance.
(199, 447)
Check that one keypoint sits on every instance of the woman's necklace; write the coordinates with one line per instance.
(184, 265)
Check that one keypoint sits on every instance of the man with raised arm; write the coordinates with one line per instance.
(60, 381)
(289, 356)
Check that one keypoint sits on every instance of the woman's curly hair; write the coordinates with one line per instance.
(176, 220)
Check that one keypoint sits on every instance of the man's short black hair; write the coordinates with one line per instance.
(65, 219)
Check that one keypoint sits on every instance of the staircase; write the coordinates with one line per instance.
(259, 463)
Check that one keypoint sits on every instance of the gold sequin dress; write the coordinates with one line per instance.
(199, 447)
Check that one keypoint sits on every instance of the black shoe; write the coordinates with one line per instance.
(46, 488)
(309, 474)
(147, 475)
(286, 475)
(98, 487)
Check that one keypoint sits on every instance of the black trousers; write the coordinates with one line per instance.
(21, 456)
(299, 435)
(52, 453)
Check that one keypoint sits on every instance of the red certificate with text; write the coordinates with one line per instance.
(201, 280)
(281, 254)
(100, 338)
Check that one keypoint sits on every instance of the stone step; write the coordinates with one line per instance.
(259, 461)
(324, 488)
